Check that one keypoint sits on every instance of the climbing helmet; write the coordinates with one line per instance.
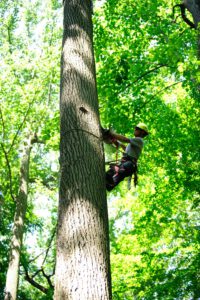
(143, 127)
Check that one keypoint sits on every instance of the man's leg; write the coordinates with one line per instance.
(110, 184)
(125, 169)
(109, 174)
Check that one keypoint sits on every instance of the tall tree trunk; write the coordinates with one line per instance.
(82, 266)
(18, 226)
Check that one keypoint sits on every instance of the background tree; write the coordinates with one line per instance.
(82, 265)
(19, 220)
(29, 77)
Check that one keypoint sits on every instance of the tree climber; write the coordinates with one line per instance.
(128, 163)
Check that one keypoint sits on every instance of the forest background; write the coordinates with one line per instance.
(147, 70)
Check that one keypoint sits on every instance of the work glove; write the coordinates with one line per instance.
(107, 135)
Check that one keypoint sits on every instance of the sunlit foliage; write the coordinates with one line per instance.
(147, 70)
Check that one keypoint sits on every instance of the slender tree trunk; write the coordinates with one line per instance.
(18, 226)
(82, 266)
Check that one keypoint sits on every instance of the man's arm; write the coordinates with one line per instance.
(120, 137)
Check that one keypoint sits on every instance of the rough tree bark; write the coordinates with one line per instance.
(18, 226)
(82, 265)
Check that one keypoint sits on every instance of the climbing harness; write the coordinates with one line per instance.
(117, 172)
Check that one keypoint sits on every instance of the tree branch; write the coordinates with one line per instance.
(46, 250)
(45, 182)
(36, 273)
(2, 121)
(160, 91)
(146, 73)
(48, 278)
(33, 259)
(20, 126)
(33, 282)
(9, 171)
(36, 140)
(183, 14)
(50, 242)
(9, 39)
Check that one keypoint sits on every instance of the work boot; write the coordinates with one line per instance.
(109, 187)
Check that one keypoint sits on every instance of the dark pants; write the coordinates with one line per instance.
(117, 173)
